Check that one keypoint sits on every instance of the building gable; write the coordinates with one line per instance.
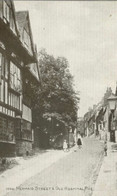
(34, 70)
(7, 14)
(25, 30)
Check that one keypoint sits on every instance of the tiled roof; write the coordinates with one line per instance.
(23, 22)
(21, 18)
(112, 97)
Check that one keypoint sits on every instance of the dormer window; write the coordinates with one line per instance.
(6, 12)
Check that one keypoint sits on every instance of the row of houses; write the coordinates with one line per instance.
(102, 119)
(18, 69)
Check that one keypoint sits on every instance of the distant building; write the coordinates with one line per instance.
(80, 126)
(96, 119)
(18, 68)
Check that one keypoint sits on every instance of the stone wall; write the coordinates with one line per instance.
(23, 147)
(7, 149)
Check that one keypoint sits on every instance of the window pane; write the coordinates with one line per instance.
(26, 38)
(0, 66)
(9, 99)
(6, 92)
(4, 8)
(6, 11)
(12, 24)
(6, 69)
(13, 100)
(15, 82)
(21, 103)
(2, 91)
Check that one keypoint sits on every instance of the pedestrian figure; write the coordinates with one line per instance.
(105, 148)
(75, 149)
(79, 141)
(65, 146)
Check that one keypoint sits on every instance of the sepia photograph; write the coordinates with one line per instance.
(58, 98)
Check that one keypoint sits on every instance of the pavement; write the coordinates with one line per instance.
(14, 177)
(38, 169)
(106, 184)
(70, 175)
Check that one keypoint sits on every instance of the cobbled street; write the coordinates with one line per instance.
(74, 174)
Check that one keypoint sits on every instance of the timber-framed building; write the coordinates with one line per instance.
(18, 68)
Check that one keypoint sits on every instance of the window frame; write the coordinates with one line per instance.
(15, 79)
(26, 35)
(4, 79)
(6, 12)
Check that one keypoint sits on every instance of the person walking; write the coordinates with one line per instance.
(105, 148)
(65, 146)
(79, 141)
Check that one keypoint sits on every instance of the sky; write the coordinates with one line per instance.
(85, 32)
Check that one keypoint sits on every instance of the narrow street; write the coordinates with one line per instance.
(71, 175)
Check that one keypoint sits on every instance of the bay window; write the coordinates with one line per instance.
(14, 101)
(15, 78)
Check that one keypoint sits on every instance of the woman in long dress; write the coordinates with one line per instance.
(79, 141)
(65, 146)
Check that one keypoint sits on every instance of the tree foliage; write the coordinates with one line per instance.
(56, 99)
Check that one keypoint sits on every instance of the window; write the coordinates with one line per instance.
(15, 78)
(6, 69)
(6, 92)
(26, 38)
(7, 130)
(3, 66)
(12, 24)
(21, 103)
(27, 113)
(6, 11)
(14, 101)
(26, 130)
(3, 79)
(0, 67)
(2, 91)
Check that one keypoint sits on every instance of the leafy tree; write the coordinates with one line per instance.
(56, 100)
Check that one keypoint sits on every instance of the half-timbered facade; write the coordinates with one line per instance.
(18, 67)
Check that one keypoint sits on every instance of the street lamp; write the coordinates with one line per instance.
(112, 100)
